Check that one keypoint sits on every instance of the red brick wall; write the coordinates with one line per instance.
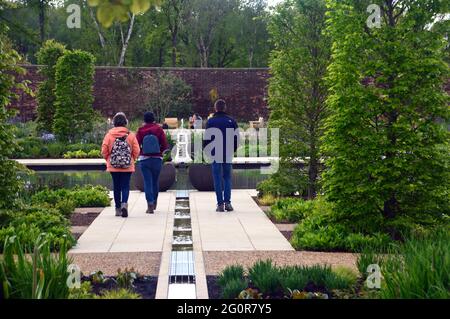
(122, 89)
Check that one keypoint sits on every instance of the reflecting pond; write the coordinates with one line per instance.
(242, 179)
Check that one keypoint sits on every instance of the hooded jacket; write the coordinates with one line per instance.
(108, 143)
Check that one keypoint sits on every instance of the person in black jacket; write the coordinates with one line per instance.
(223, 130)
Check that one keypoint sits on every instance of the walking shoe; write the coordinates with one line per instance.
(118, 212)
(220, 209)
(124, 210)
(150, 209)
(228, 207)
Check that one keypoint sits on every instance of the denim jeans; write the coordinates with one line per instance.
(121, 187)
(151, 168)
(222, 176)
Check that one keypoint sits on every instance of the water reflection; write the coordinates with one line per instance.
(242, 179)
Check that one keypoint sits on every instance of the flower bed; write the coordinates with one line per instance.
(264, 280)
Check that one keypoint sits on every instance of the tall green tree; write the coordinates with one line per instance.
(297, 89)
(205, 19)
(10, 186)
(41, 7)
(74, 114)
(388, 152)
(48, 56)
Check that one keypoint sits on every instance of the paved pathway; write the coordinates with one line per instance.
(139, 232)
(246, 229)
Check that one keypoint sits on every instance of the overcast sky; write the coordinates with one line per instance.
(273, 2)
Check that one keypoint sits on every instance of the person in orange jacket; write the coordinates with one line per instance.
(120, 149)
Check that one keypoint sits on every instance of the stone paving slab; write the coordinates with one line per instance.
(245, 229)
(139, 232)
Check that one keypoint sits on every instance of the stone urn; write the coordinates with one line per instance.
(166, 179)
(201, 178)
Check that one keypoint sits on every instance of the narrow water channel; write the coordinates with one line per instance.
(182, 265)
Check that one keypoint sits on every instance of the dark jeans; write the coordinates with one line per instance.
(121, 182)
(151, 168)
(222, 173)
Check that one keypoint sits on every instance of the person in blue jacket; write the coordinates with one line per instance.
(224, 127)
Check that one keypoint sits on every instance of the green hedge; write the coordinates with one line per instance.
(74, 114)
(35, 147)
(85, 196)
(48, 56)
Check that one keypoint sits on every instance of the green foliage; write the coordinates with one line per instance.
(297, 277)
(66, 207)
(25, 129)
(369, 256)
(125, 279)
(29, 223)
(269, 279)
(36, 148)
(10, 185)
(418, 268)
(288, 181)
(321, 229)
(293, 277)
(83, 154)
(109, 11)
(84, 292)
(233, 288)
(168, 96)
(267, 200)
(91, 196)
(292, 209)
(43, 276)
(86, 196)
(48, 56)
(387, 152)
(297, 89)
(84, 147)
(348, 276)
(74, 114)
(98, 277)
(265, 276)
(234, 272)
(119, 294)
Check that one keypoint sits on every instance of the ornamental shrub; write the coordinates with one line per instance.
(48, 56)
(74, 114)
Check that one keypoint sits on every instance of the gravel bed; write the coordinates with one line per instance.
(144, 263)
(216, 261)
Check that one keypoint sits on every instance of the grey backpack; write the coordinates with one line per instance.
(121, 153)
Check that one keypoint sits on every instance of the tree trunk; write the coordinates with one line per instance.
(203, 52)
(312, 174)
(100, 35)
(250, 57)
(42, 20)
(161, 56)
(126, 41)
(174, 49)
